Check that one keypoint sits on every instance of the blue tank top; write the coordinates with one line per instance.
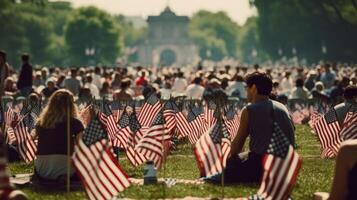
(260, 124)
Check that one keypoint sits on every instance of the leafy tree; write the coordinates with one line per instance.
(26, 27)
(91, 28)
(308, 25)
(215, 33)
(38, 34)
(132, 35)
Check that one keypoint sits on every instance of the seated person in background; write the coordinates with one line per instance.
(105, 91)
(10, 87)
(166, 91)
(350, 103)
(257, 123)
(51, 130)
(50, 89)
(336, 93)
(123, 94)
(318, 92)
(237, 88)
(195, 89)
(345, 180)
(299, 91)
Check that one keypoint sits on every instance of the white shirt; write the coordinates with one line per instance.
(93, 90)
(165, 93)
(180, 85)
(97, 80)
(237, 86)
(194, 91)
(299, 93)
(286, 85)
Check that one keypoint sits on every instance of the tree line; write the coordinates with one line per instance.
(54, 33)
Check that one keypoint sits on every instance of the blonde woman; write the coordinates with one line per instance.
(51, 130)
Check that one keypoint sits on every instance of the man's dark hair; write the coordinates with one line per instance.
(148, 91)
(180, 74)
(262, 81)
(197, 80)
(73, 71)
(3, 54)
(299, 82)
(350, 92)
(124, 85)
(25, 57)
(239, 78)
(97, 70)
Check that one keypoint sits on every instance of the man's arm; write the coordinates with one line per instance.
(239, 140)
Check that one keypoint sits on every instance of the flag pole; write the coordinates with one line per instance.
(221, 158)
(68, 148)
(163, 155)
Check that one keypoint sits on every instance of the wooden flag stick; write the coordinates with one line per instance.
(220, 120)
(68, 148)
(164, 159)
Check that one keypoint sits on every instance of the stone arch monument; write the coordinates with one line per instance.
(168, 42)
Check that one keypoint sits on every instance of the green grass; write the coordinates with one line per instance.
(315, 175)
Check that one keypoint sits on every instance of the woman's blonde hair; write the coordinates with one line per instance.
(56, 109)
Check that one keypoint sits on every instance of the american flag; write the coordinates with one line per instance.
(136, 128)
(182, 124)
(314, 117)
(155, 141)
(130, 128)
(170, 110)
(33, 114)
(198, 127)
(122, 135)
(149, 110)
(137, 107)
(10, 118)
(209, 113)
(281, 167)
(212, 149)
(232, 120)
(108, 119)
(349, 128)
(10, 136)
(26, 146)
(118, 109)
(328, 129)
(100, 173)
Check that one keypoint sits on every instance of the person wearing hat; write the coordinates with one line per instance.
(287, 83)
(50, 88)
(310, 81)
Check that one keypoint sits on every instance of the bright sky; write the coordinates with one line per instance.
(238, 10)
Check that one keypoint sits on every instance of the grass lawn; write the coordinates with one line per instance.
(316, 175)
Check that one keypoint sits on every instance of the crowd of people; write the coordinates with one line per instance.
(325, 82)
(257, 84)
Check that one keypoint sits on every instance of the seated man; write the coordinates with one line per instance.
(257, 123)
